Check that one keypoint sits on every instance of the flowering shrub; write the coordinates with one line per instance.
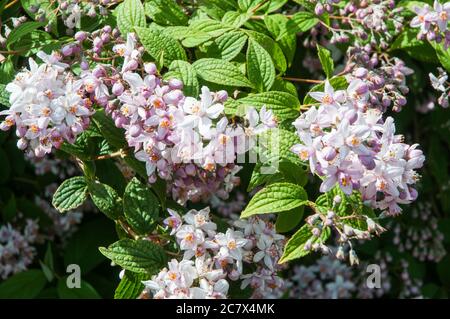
(224, 149)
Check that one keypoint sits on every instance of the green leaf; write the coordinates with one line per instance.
(24, 285)
(188, 75)
(284, 86)
(4, 96)
(19, 32)
(230, 44)
(211, 27)
(165, 12)
(300, 22)
(235, 19)
(130, 14)
(276, 24)
(113, 135)
(141, 207)
(294, 248)
(70, 194)
(443, 55)
(277, 197)
(86, 291)
(420, 50)
(141, 256)
(130, 286)
(326, 61)
(159, 45)
(106, 199)
(284, 105)
(220, 72)
(271, 47)
(286, 221)
(260, 68)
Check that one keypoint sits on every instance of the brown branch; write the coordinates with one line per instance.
(302, 80)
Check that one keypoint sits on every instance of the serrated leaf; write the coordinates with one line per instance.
(130, 286)
(220, 72)
(283, 105)
(106, 199)
(260, 68)
(159, 44)
(141, 207)
(165, 12)
(211, 27)
(277, 197)
(235, 19)
(326, 61)
(271, 47)
(294, 248)
(188, 75)
(70, 194)
(141, 256)
(276, 24)
(300, 22)
(21, 31)
(130, 14)
(230, 44)
(113, 135)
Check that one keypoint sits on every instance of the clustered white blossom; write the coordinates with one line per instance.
(48, 106)
(440, 83)
(218, 257)
(16, 247)
(184, 140)
(433, 22)
(353, 147)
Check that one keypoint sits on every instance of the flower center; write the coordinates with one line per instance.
(327, 99)
(231, 244)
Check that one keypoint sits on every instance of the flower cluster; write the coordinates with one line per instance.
(440, 83)
(385, 78)
(433, 22)
(48, 106)
(327, 278)
(351, 146)
(218, 257)
(422, 238)
(231, 207)
(16, 248)
(183, 140)
(360, 21)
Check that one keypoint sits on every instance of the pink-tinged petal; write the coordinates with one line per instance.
(328, 184)
(214, 111)
(318, 96)
(329, 88)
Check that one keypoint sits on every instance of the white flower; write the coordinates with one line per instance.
(200, 113)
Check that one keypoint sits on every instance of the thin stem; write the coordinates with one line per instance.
(256, 8)
(120, 153)
(127, 229)
(293, 79)
(11, 4)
